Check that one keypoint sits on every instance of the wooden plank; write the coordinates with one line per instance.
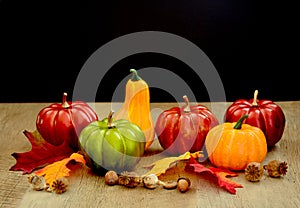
(89, 190)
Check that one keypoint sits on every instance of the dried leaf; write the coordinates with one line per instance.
(161, 166)
(59, 169)
(219, 174)
(41, 153)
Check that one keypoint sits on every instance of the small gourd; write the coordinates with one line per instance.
(63, 122)
(234, 145)
(111, 144)
(264, 114)
(136, 107)
(182, 129)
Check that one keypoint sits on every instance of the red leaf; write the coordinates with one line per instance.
(41, 154)
(219, 174)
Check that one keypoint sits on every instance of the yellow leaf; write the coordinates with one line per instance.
(161, 166)
(59, 169)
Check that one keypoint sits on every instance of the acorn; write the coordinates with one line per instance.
(276, 168)
(151, 181)
(169, 184)
(38, 182)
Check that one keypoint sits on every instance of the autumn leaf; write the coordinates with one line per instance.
(41, 154)
(219, 174)
(161, 166)
(59, 169)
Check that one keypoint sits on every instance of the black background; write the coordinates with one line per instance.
(44, 44)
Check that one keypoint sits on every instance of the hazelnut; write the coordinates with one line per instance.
(111, 178)
(183, 184)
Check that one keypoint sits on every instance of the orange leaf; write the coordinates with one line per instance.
(59, 169)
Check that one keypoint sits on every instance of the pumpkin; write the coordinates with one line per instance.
(182, 129)
(62, 122)
(110, 144)
(264, 114)
(232, 145)
(136, 106)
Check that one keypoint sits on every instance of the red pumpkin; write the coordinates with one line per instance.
(64, 121)
(184, 129)
(264, 114)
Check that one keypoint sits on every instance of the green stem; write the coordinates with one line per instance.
(239, 123)
(135, 76)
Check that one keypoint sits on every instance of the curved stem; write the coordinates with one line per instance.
(254, 103)
(187, 107)
(65, 103)
(135, 76)
(239, 123)
(110, 124)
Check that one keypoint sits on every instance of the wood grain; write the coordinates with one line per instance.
(87, 189)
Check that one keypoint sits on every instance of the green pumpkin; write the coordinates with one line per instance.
(112, 144)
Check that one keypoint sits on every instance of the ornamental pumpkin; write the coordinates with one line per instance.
(112, 144)
(263, 114)
(184, 129)
(232, 145)
(62, 122)
(136, 107)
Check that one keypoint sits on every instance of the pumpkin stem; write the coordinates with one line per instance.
(110, 124)
(187, 108)
(65, 103)
(239, 123)
(254, 103)
(135, 76)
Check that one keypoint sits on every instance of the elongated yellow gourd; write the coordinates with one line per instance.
(136, 106)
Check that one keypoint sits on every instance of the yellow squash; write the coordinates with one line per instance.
(136, 107)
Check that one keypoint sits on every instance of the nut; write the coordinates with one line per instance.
(38, 182)
(169, 184)
(151, 181)
(183, 184)
(111, 178)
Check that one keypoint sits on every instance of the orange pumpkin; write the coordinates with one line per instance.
(234, 145)
(136, 106)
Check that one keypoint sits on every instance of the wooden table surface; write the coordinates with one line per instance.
(89, 190)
